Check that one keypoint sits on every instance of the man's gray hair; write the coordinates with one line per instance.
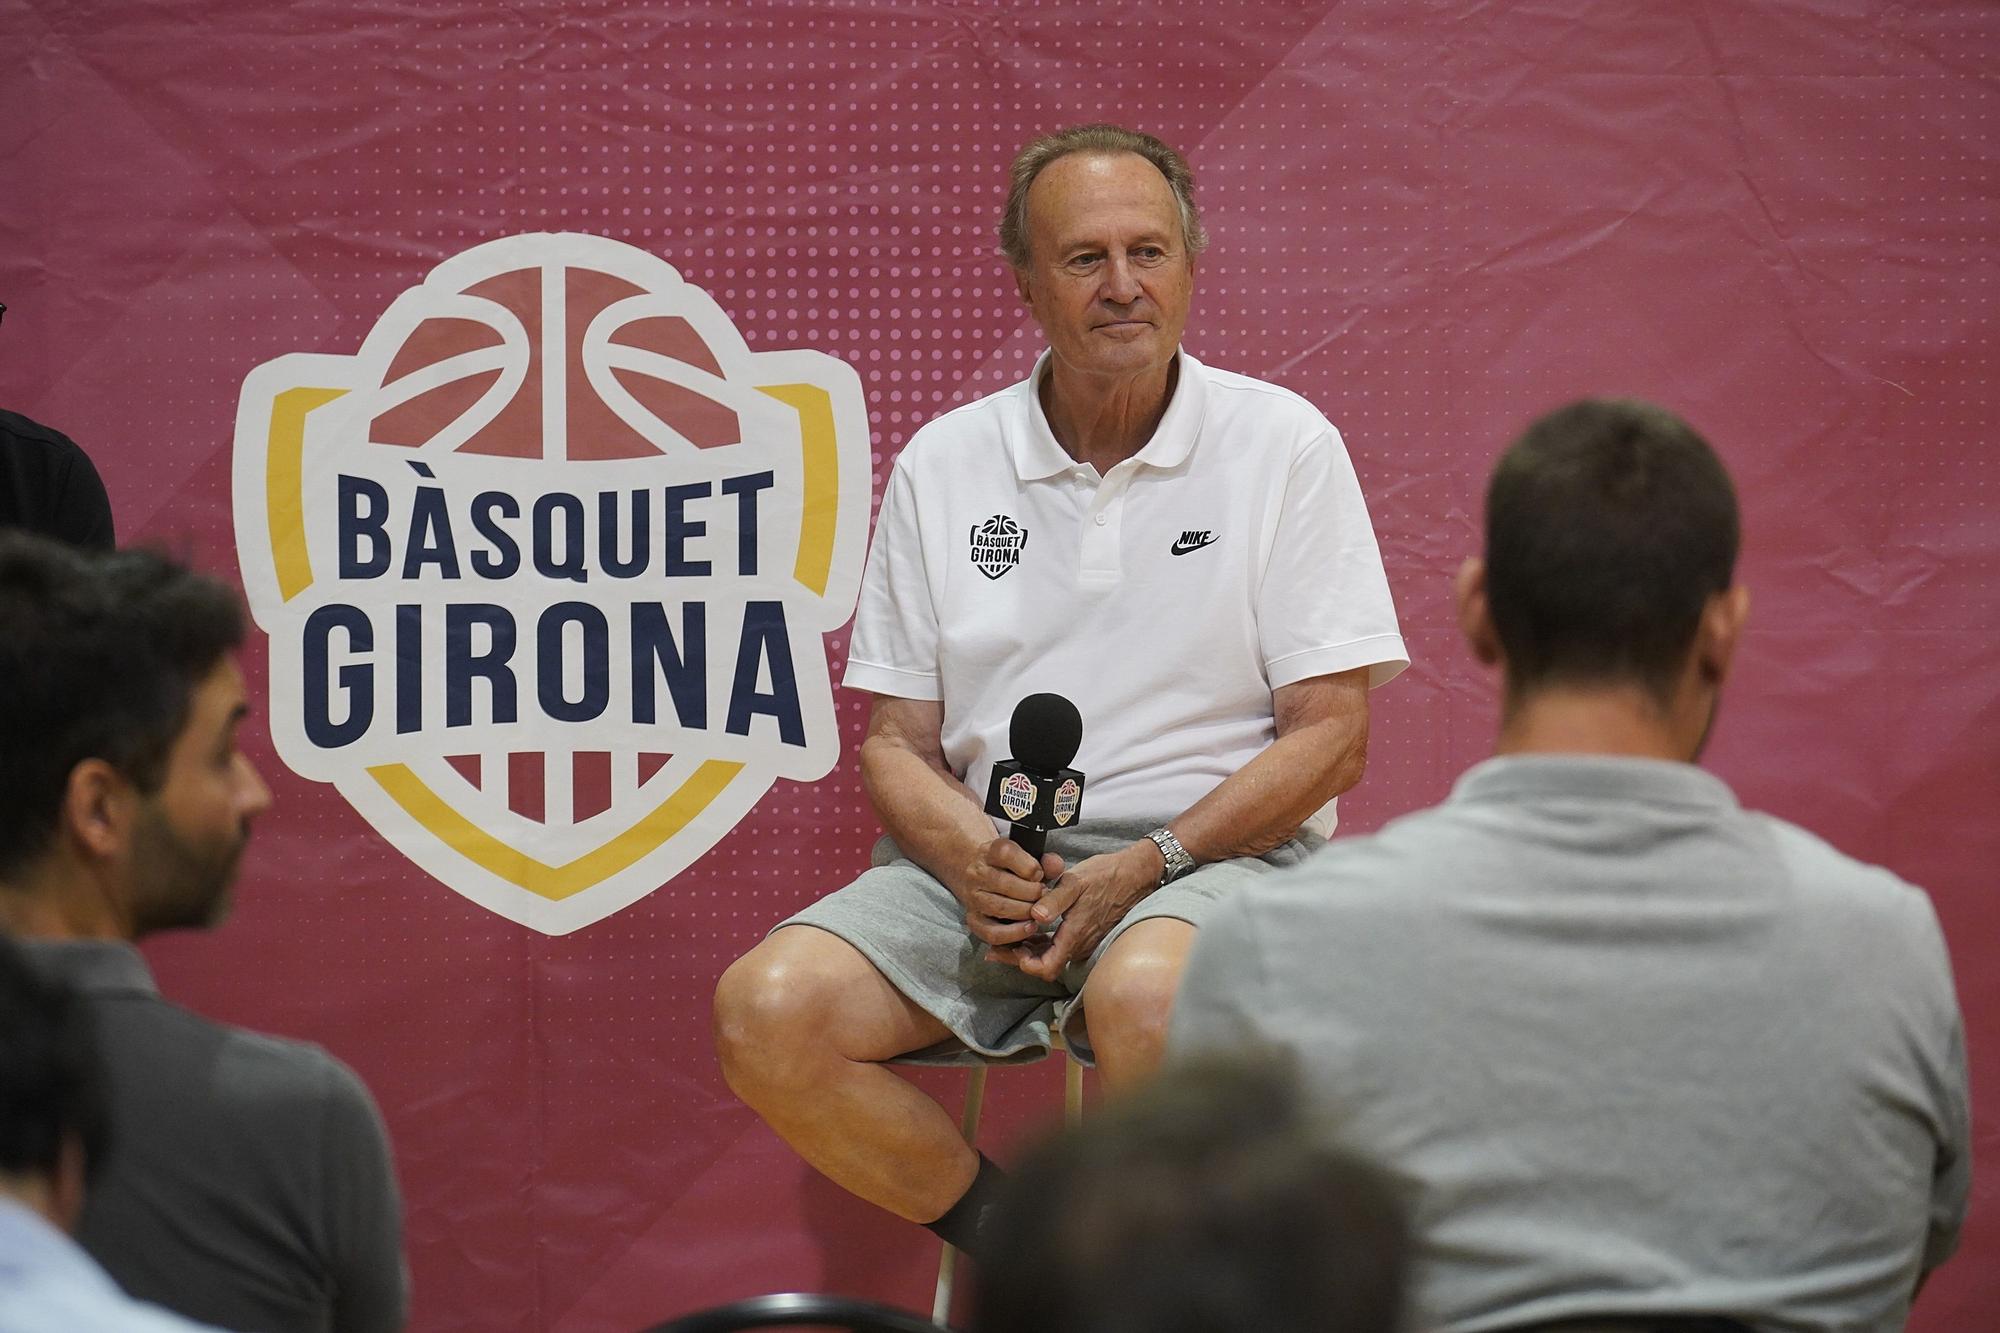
(1096, 139)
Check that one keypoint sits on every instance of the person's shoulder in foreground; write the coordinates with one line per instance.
(246, 1136)
(253, 1187)
(1609, 1024)
(54, 1138)
(48, 1284)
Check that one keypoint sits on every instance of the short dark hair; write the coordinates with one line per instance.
(50, 1082)
(100, 655)
(1209, 1202)
(1103, 141)
(1609, 525)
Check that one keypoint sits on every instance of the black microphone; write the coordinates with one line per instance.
(1037, 790)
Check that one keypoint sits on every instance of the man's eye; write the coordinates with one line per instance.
(1082, 261)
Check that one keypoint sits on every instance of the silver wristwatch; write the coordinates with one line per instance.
(1178, 861)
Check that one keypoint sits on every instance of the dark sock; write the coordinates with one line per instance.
(962, 1223)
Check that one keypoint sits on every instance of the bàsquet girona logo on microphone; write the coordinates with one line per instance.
(546, 567)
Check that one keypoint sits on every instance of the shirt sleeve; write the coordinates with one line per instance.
(894, 649)
(364, 1212)
(1951, 1177)
(1323, 604)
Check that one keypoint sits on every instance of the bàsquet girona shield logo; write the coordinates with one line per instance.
(546, 568)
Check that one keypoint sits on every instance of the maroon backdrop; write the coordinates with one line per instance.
(1433, 219)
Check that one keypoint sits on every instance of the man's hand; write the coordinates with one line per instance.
(1090, 898)
(999, 888)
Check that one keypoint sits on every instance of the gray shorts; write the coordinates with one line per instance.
(912, 929)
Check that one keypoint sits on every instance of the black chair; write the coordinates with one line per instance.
(797, 1310)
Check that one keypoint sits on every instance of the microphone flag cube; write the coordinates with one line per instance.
(1034, 802)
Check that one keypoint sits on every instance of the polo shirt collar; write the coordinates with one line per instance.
(1038, 456)
(95, 967)
(1595, 778)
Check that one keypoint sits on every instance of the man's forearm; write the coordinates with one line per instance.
(933, 817)
(1262, 804)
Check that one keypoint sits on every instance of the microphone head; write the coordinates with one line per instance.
(1045, 732)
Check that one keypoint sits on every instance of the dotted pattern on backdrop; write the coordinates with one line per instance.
(1433, 221)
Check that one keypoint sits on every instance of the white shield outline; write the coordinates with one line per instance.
(292, 406)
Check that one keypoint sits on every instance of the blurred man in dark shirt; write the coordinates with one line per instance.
(49, 486)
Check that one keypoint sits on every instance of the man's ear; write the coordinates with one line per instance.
(97, 808)
(1722, 621)
(1021, 286)
(1475, 619)
(67, 1188)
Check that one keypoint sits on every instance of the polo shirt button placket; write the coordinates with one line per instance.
(1100, 540)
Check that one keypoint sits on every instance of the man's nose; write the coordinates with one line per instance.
(1121, 281)
(256, 796)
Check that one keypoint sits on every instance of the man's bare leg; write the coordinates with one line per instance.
(802, 1024)
(1129, 999)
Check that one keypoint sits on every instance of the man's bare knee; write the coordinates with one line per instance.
(1134, 1002)
(1129, 1002)
(770, 1014)
(805, 1000)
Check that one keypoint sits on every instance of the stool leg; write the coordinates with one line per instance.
(975, 1096)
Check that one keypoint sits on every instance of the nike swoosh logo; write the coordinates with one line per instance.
(1183, 545)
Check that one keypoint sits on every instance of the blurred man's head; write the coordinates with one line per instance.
(124, 800)
(1207, 1203)
(52, 1116)
(1611, 539)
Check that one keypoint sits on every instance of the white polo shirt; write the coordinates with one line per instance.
(1166, 598)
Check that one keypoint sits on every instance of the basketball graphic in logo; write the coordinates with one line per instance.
(546, 568)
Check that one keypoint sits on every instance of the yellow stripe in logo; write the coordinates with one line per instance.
(555, 882)
(284, 479)
(821, 513)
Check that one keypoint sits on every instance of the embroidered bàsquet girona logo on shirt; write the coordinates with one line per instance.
(997, 545)
(546, 568)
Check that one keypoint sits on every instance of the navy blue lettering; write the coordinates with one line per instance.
(357, 679)
(680, 528)
(746, 490)
(356, 495)
(596, 662)
(765, 640)
(430, 536)
(409, 669)
(569, 564)
(461, 664)
(505, 560)
(685, 665)
(607, 533)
